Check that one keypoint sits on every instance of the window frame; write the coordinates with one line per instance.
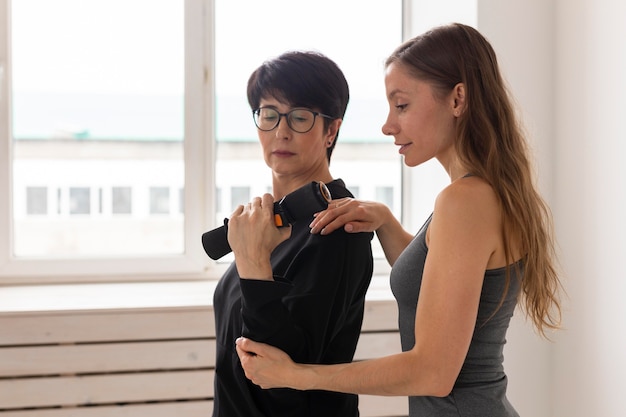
(199, 175)
(199, 153)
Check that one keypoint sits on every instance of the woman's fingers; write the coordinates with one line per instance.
(332, 218)
(353, 215)
(261, 363)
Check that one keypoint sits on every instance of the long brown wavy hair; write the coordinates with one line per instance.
(491, 144)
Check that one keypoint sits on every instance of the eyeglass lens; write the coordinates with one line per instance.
(300, 120)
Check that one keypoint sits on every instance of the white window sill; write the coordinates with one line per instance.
(124, 296)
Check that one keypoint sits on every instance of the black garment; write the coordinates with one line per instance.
(480, 388)
(313, 310)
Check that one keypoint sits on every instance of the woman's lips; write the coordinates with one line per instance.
(403, 147)
(282, 153)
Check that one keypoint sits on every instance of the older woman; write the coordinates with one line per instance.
(301, 292)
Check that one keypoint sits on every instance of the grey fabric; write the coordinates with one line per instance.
(480, 389)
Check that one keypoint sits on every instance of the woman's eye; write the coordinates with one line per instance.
(401, 106)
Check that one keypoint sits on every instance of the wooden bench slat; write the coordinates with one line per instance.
(186, 409)
(369, 406)
(141, 325)
(377, 406)
(105, 327)
(380, 315)
(374, 345)
(109, 357)
(105, 389)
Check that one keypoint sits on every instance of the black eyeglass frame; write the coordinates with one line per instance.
(255, 112)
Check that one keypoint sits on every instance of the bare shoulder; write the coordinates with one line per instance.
(467, 219)
(468, 197)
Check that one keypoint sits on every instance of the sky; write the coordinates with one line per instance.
(88, 55)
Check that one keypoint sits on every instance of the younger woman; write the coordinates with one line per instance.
(486, 247)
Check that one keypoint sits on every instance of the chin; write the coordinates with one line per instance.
(410, 163)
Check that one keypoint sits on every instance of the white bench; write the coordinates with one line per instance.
(135, 350)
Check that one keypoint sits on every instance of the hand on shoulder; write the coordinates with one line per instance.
(355, 216)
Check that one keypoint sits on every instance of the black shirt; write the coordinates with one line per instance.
(313, 310)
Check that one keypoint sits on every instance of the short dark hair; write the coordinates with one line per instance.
(302, 79)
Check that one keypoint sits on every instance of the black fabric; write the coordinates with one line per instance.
(313, 310)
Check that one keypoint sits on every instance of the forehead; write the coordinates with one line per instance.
(278, 102)
(400, 82)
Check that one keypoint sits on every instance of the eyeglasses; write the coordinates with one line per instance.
(299, 120)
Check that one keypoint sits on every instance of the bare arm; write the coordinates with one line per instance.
(270, 367)
(364, 216)
(463, 236)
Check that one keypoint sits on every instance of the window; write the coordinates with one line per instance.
(384, 194)
(121, 200)
(123, 146)
(239, 195)
(36, 200)
(363, 157)
(159, 200)
(80, 200)
(103, 137)
(108, 107)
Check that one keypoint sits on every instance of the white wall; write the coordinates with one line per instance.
(590, 200)
(566, 63)
(521, 34)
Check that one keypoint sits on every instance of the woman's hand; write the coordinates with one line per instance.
(265, 365)
(357, 216)
(253, 235)
(354, 215)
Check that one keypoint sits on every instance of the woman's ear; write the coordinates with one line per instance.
(458, 96)
(333, 128)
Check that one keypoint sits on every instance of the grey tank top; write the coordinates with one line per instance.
(480, 389)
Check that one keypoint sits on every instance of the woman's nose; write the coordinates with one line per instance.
(283, 130)
(388, 129)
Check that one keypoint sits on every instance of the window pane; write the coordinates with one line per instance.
(342, 30)
(97, 107)
(159, 200)
(239, 195)
(121, 200)
(36, 200)
(385, 195)
(80, 200)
